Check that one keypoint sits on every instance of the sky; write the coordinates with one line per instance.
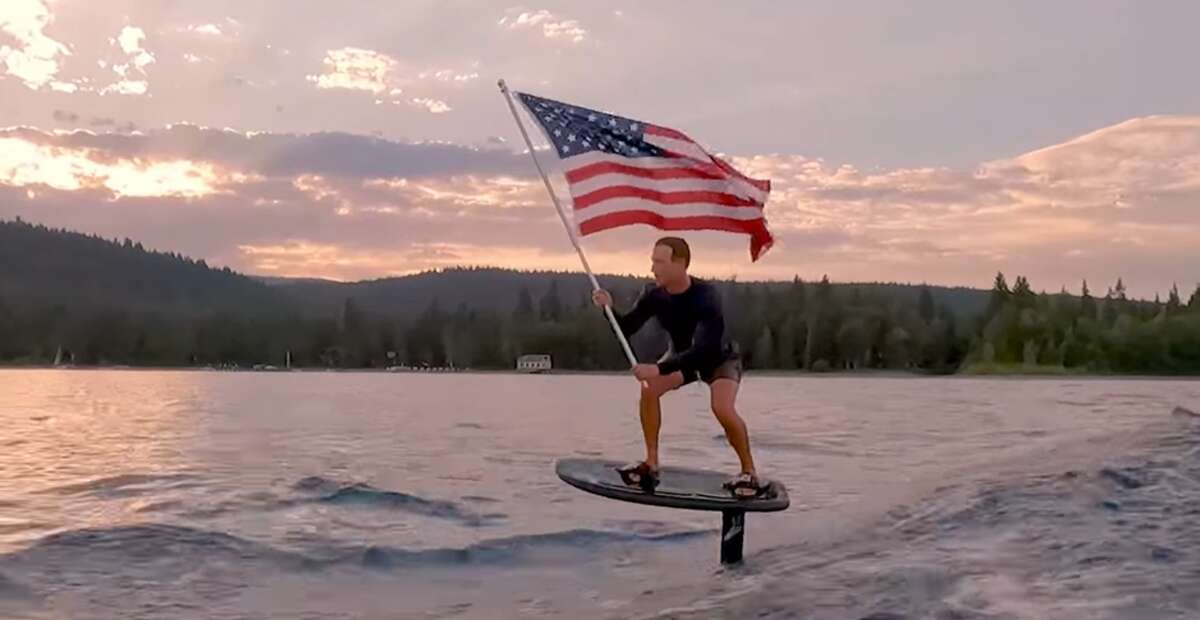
(926, 141)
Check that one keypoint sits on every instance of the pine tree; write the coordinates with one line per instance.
(1173, 302)
(853, 342)
(764, 349)
(925, 305)
(786, 351)
(351, 319)
(1022, 293)
(1087, 305)
(798, 296)
(824, 292)
(550, 308)
(1000, 293)
(523, 313)
(1109, 312)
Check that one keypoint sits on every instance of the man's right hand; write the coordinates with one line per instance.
(600, 297)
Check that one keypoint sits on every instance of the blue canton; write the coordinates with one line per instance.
(574, 130)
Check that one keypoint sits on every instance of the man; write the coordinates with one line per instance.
(689, 309)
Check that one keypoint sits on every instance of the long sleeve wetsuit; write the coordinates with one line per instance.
(693, 319)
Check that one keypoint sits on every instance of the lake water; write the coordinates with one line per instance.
(200, 494)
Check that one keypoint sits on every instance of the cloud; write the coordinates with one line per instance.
(352, 68)
(210, 29)
(385, 77)
(334, 155)
(1107, 196)
(23, 163)
(133, 71)
(551, 26)
(436, 106)
(35, 60)
(447, 75)
(38, 58)
(1118, 202)
(127, 87)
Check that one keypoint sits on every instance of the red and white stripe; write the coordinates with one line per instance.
(687, 189)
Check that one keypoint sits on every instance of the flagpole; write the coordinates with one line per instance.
(570, 231)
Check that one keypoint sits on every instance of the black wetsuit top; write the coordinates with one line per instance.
(694, 321)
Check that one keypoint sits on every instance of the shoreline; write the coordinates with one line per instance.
(1033, 373)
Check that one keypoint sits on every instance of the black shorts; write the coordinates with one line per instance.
(731, 368)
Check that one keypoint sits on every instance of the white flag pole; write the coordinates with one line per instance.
(570, 231)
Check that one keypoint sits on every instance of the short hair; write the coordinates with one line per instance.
(679, 249)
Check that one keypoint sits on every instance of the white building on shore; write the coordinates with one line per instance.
(534, 363)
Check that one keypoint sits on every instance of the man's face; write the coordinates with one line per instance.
(665, 269)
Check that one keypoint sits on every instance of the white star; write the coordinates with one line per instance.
(571, 137)
(586, 144)
(592, 118)
(557, 132)
(612, 121)
(633, 126)
(566, 148)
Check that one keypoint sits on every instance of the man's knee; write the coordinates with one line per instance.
(656, 387)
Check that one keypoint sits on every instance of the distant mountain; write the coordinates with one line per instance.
(500, 289)
(89, 300)
(481, 288)
(45, 267)
(72, 298)
(40, 265)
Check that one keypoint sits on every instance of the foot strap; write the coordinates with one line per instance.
(639, 474)
(745, 486)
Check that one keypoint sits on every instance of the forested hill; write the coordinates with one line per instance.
(113, 301)
(41, 267)
(502, 289)
(85, 300)
(45, 266)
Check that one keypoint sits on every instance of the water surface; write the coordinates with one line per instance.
(195, 494)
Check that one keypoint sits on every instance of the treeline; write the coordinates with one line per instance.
(1109, 334)
(817, 326)
(87, 300)
(803, 325)
(84, 300)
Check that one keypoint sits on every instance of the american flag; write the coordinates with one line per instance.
(622, 171)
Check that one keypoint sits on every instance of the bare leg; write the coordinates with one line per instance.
(650, 412)
(724, 393)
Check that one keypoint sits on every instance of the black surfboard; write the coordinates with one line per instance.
(679, 487)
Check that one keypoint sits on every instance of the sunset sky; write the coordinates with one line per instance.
(930, 141)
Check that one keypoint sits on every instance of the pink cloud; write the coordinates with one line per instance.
(1117, 202)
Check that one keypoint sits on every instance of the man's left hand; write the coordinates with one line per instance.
(646, 371)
